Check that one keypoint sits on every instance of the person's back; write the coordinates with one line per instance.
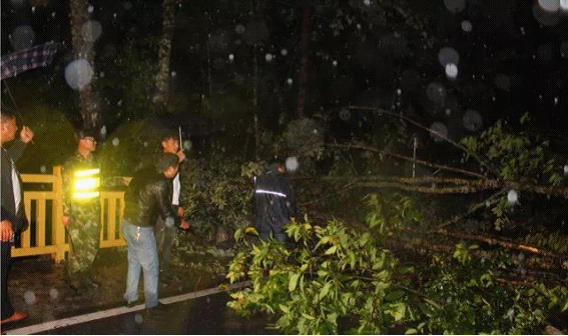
(144, 195)
(275, 204)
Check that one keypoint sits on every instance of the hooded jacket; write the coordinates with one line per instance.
(274, 202)
(148, 196)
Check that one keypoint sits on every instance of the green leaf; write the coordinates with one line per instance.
(411, 331)
(331, 250)
(293, 282)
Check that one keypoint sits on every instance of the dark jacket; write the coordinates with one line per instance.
(148, 196)
(8, 156)
(274, 202)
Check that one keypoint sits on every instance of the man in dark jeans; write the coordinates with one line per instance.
(148, 197)
(274, 202)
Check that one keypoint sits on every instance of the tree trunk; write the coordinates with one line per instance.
(164, 54)
(89, 100)
(305, 60)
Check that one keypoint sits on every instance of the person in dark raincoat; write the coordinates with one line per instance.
(82, 210)
(274, 203)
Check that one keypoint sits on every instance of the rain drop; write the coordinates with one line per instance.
(174, 73)
(33, 10)
(512, 197)
(22, 37)
(448, 55)
(284, 52)
(289, 81)
(345, 114)
(487, 204)
(439, 131)
(455, 6)
(231, 57)
(127, 5)
(466, 26)
(91, 9)
(91, 30)
(292, 164)
(436, 92)
(268, 57)
(42, 169)
(53, 14)
(549, 5)
(78, 73)
(138, 318)
(472, 120)
(334, 63)
(239, 29)
(119, 103)
(451, 71)
(566, 169)
(115, 142)
(53, 293)
(29, 298)
(102, 74)
(103, 130)
(187, 144)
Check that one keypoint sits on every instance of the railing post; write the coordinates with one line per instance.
(58, 227)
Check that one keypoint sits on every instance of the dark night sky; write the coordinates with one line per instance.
(510, 41)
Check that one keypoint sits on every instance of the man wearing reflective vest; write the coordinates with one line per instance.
(81, 208)
(274, 202)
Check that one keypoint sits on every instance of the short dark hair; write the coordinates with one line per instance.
(165, 161)
(168, 134)
(6, 114)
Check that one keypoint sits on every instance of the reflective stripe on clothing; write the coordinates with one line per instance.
(275, 193)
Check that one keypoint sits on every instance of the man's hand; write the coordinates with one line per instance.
(180, 212)
(6, 231)
(26, 135)
(181, 155)
(66, 220)
(184, 224)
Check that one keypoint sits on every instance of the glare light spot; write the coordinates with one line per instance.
(102, 74)
(512, 197)
(138, 318)
(472, 120)
(42, 169)
(174, 73)
(566, 169)
(487, 204)
(284, 52)
(439, 131)
(231, 57)
(33, 10)
(119, 103)
(91, 9)
(115, 142)
(290, 81)
(91, 30)
(399, 92)
(103, 130)
(334, 63)
(268, 57)
(53, 14)
(30, 298)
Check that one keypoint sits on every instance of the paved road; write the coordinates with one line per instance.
(197, 313)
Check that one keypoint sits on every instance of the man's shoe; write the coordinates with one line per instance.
(17, 316)
(132, 303)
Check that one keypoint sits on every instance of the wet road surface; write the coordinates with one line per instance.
(203, 315)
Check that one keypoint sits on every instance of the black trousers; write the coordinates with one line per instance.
(7, 309)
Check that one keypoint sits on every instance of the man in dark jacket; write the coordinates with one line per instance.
(147, 197)
(13, 215)
(274, 201)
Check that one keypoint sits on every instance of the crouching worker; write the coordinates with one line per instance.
(147, 197)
